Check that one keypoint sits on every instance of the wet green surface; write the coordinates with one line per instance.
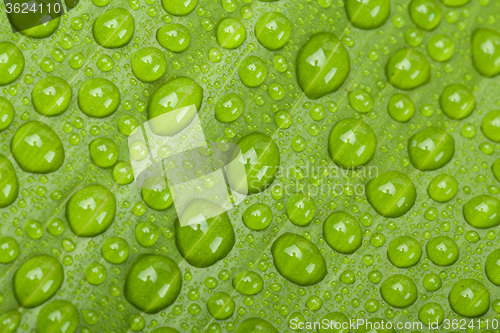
(370, 132)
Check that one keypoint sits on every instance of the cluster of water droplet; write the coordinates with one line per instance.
(373, 185)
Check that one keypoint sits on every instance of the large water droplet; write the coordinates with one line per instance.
(9, 186)
(486, 52)
(37, 148)
(153, 283)
(91, 210)
(204, 241)
(298, 260)
(323, 65)
(37, 280)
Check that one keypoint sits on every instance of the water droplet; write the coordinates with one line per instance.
(231, 33)
(174, 37)
(252, 71)
(300, 209)
(156, 193)
(9, 321)
(57, 317)
(146, 233)
(205, 241)
(426, 14)
(220, 306)
(115, 28)
(391, 194)
(91, 210)
(431, 149)
(255, 324)
(153, 283)
(401, 108)
(486, 52)
(37, 148)
(343, 232)
(174, 96)
(258, 216)
(442, 188)
(261, 157)
(432, 282)
(115, 250)
(95, 273)
(457, 101)
(12, 64)
(298, 260)
(104, 152)
(408, 69)
(455, 3)
(248, 283)
(37, 280)
(491, 126)
(492, 267)
(228, 108)
(361, 101)
(98, 98)
(122, 173)
(148, 64)
(442, 250)
(399, 291)
(404, 252)
(9, 185)
(323, 65)
(179, 7)
(352, 143)
(273, 30)
(482, 212)
(431, 313)
(368, 14)
(440, 48)
(469, 298)
(51, 96)
(9, 250)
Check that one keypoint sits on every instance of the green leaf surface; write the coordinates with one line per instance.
(96, 46)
